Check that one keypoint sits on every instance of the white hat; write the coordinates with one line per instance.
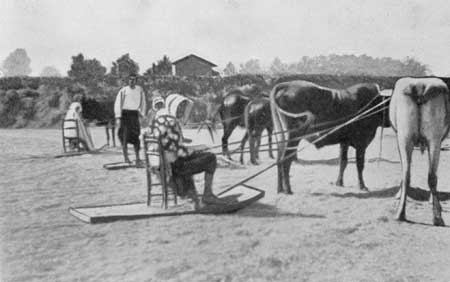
(157, 100)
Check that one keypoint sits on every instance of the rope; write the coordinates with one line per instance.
(332, 130)
(312, 128)
(318, 125)
(237, 150)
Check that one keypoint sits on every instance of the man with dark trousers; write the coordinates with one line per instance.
(129, 105)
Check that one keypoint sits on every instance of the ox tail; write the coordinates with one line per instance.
(248, 126)
(247, 118)
(279, 123)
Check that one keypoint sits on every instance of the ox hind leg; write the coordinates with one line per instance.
(244, 140)
(227, 130)
(113, 129)
(434, 128)
(253, 146)
(360, 160)
(406, 147)
(269, 138)
(433, 155)
(343, 160)
(107, 134)
(285, 161)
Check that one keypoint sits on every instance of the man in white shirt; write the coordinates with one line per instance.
(129, 105)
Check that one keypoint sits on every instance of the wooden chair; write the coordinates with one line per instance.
(156, 164)
(71, 143)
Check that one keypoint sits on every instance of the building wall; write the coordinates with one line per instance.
(192, 66)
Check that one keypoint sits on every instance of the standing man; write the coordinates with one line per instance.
(129, 105)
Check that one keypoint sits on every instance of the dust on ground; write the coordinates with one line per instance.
(321, 233)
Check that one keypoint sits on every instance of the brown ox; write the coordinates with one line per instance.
(302, 107)
(419, 113)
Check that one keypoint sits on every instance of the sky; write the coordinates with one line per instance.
(52, 31)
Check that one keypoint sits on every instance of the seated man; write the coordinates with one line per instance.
(185, 161)
(84, 136)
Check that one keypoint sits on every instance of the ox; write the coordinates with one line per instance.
(301, 107)
(231, 110)
(257, 117)
(419, 114)
(102, 112)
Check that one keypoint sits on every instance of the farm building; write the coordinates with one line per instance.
(193, 65)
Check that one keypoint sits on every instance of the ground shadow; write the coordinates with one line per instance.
(414, 193)
(374, 160)
(419, 194)
(384, 193)
(265, 210)
(335, 161)
(421, 223)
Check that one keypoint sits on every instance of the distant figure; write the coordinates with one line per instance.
(129, 105)
(84, 136)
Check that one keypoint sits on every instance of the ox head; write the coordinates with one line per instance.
(213, 103)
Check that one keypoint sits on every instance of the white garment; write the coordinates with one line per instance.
(163, 112)
(73, 116)
(157, 100)
(130, 99)
(173, 101)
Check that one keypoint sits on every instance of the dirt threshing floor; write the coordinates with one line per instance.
(321, 233)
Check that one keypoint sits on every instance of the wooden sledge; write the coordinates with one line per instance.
(79, 153)
(238, 198)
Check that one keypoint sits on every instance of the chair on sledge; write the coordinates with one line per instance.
(158, 167)
(156, 164)
(71, 136)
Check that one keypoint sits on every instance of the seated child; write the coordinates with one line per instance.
(84, 136)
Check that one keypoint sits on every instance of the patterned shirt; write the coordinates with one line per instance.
(167, 129)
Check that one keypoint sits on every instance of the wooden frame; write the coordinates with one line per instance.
(65, 139)
(153, 147)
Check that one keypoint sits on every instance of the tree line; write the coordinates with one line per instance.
(87, 70)
(334, 65)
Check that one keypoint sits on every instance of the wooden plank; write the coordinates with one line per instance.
(237, 198)
(79, 153)
(121, 165)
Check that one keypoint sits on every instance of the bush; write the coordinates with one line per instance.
(29, 109)
(11, 107)
(7, 83)
(53, 100)
(32, 82)
(28, 93)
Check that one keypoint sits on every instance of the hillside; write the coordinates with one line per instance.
(35, 102)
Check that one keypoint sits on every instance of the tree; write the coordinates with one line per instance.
(413, 67)
(162, 67)
(50, 71)
(86, 71)
(252, 66)
(278, 67)
(17, 63)
(230, 69)
(124, 66)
